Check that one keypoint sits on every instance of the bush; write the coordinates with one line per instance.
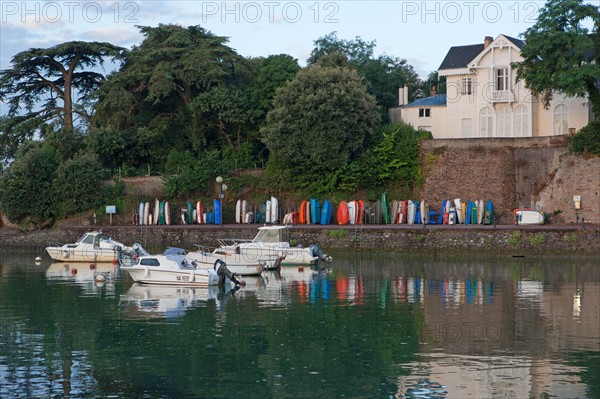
(27, 184)
(587, 140)
(78, 185)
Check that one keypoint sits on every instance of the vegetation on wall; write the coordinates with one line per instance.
(587, 139)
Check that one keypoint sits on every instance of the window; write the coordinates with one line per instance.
(467, 86)
(465, 128)
(561, 119)
(486, 122)
(502, 79)
(424, 112)
(150, 262)
(504, 122)
(521, 127)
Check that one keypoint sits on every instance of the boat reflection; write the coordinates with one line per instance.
(168, 301)
(281, 286)
(82, 274)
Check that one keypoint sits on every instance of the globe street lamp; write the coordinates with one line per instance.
(222, 189)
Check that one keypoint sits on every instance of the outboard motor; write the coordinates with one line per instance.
(223, 272)
(127, 255)
(316, 251)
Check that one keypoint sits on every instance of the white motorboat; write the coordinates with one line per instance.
(168, 269)
(235, 262)
(273, 241)
(92, 247)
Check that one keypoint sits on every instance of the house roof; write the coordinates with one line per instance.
(437, 100)
(460, 56)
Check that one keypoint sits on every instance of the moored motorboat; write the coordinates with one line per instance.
(172, 267)
(93, 247)
(273, 241)
(165, 269)
(206, 259)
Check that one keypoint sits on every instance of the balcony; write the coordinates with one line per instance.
(502, 96)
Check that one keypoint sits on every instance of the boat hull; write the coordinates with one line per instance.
(66, 254)
(147, 275)
(234, 264)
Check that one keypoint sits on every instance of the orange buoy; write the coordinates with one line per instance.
(74, 271)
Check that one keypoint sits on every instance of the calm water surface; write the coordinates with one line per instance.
(371, 325)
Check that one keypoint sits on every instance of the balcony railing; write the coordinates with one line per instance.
(502, 96)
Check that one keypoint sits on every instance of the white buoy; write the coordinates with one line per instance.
(38, 258)
(100, 278)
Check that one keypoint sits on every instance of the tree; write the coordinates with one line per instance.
(27, 184)
(40, 78)
(357, 51)
(384, 74)
(274, 72)
(561, 54)
(78, 185)
(160, 98)
(319, 124)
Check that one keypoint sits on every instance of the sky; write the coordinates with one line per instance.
(419, 31)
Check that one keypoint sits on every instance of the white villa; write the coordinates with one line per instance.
(483, 98)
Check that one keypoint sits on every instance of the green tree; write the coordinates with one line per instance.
(78, 185)
(397, 154)
(384, 74)
(27, 189)
(561, 54)
(319, 124)
(274, 72)
(357, 51)
(40, 88)
(587, 140)
(179, 88)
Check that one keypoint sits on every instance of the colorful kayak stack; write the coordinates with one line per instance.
(191, 213)
(146, 215)
(267, 212)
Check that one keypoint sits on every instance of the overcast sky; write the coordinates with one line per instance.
(419, 31)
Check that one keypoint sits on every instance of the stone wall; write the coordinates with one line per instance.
(529, 240)
(515, 173)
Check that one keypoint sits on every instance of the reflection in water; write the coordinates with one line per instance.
(92, 277)
(148, 301)
(376, 325)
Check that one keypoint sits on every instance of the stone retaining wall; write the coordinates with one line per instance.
(501, 240)
(515, 173)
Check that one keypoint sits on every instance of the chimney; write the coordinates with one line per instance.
(432, 92)
(403, 95)
(487, 41)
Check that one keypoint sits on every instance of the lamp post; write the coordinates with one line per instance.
(222, 189)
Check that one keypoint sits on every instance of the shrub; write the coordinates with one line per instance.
(515, 238)
(537, 239)
(587, 140)
(341, 233)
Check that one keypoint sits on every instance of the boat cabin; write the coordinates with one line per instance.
(272, 234)
(92, 238)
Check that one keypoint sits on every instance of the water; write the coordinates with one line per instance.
(371, 325)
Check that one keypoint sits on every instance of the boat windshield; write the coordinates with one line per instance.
(272, 235)
(86, 239)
